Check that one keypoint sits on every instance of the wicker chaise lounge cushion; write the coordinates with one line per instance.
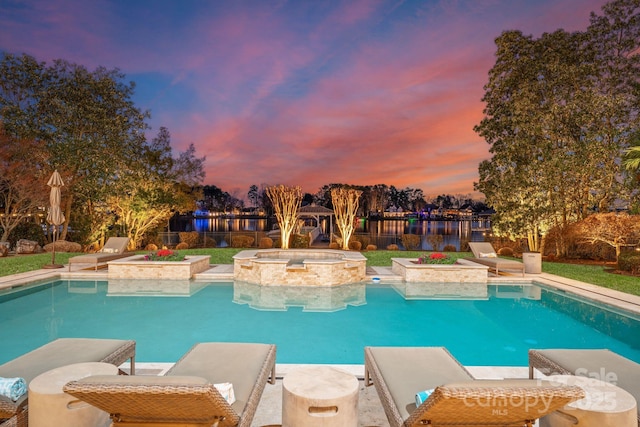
(404, 371)
(400, 372)
(238, 363)
(493, 402)
(186, 394)
(602, 364)
(149, 399)
(58, 353)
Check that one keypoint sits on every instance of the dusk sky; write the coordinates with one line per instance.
(301, 92)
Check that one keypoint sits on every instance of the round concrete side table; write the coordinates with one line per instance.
(314, 396)
(604, 405)
(49, 406)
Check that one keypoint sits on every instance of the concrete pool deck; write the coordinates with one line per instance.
(370, 412)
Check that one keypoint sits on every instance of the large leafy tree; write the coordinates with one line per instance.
(155, 186)
(556, 121)
(87, 120)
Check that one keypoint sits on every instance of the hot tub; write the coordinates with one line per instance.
(299, 267)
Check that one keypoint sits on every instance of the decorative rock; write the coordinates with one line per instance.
(63, 246)
(4, 250)
(24, 246)
(151, 247)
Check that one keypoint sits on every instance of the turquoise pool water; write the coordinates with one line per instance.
(493, 332)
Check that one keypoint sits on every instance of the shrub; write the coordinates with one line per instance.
(629, 261)
(449, 248)
(362, 238)
(266, 243)
(392, 247)
(505, 251)
(411, 242)
(299, 241)
(210, 242)
(182, 245)
(27, 230)
(191, 238)
(435, 240)
(334, 245)
(372, 248)
(242, 241)
(355, 245)
(151, 247)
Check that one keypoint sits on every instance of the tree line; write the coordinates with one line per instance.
(373, 199)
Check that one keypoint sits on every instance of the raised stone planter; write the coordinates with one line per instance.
(440, 280)
(136, 267)
(411, 271)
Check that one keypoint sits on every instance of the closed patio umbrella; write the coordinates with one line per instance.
(55, 216)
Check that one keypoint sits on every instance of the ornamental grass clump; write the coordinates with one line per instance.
(164, 255)
(436, 258)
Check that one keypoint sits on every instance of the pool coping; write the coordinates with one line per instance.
(224, 272)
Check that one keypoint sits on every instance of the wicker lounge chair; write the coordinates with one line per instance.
(185, 396)
(483, 253)
(58, 353)
(589, 363)
(115, 248)
(398, 373)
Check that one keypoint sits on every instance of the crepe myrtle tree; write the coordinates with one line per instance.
(286, 204)
(345, 207)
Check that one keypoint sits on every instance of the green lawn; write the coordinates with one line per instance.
(586, 273)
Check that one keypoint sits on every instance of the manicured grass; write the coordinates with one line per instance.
(22, 263)
(586, 273)
(594, 274)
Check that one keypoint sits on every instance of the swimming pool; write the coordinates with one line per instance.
(497, 331)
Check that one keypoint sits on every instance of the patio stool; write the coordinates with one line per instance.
(314, 396)
(603, 405)
(49, 406)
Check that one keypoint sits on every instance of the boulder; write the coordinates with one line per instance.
(63, 246)
(4, 250)
(24, 246)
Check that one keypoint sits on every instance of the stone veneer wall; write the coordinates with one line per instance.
(447, 273)
(138, 268)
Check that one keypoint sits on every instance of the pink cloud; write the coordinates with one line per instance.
(306, 93)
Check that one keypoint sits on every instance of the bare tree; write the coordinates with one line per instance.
(617, 230)
(345, 206)
(286, 203)
(23, 181)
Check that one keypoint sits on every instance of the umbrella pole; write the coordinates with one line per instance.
(53, 252)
